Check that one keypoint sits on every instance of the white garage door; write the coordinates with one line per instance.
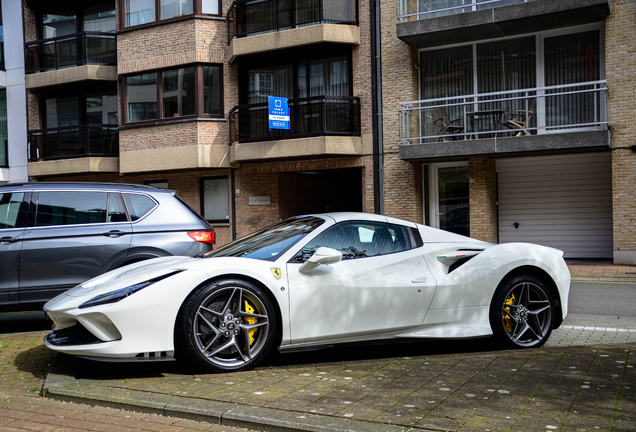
(560, 201)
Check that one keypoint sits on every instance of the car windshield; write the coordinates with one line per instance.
(269, 242)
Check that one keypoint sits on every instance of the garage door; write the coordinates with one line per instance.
(560, 201)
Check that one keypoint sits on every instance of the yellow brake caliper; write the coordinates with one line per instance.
(506, 318)
(249, 309)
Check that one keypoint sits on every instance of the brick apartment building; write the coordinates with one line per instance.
(513, 120)
(174, 93)
(506, 120)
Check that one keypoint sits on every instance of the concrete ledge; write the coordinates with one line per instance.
(333, 33)
(504, 147)
(86, 165)
(298, 147)
(71, 75)
(625, 257)
(174, 158)
(502, 21)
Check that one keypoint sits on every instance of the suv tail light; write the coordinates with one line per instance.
(207, 237)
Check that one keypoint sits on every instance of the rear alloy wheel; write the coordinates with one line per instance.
(521, 313)
(228, 325)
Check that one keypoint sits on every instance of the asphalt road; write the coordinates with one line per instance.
(602, 305)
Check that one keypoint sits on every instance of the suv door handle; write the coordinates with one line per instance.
(6, 240)
(114, 233)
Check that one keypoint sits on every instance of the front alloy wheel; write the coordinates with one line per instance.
(228, 325)
(521, 313)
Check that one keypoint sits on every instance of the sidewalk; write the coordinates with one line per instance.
(602, 273)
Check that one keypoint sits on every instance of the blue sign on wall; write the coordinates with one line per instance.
(278, 113)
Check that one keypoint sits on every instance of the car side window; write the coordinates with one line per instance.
(10, 209)
(71, 208)
(116, 210)
(358, 239)
(138, 205)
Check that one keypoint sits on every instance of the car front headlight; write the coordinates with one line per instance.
(122, 293)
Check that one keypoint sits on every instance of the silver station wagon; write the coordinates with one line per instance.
(54, 236)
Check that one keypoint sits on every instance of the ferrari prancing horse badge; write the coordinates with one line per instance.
(276, 272)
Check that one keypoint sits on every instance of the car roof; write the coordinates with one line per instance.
(85, 186)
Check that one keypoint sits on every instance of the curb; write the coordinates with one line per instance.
(62, 386)
(225, 414)
(601, 279)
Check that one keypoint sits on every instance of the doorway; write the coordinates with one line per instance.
(446, 197)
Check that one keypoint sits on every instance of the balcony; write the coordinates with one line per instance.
(324, 125)
(71, 58)
(256, 27)
(431, 23)
(553, 119)
(73, 141)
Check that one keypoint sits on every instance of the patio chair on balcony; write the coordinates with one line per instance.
(520, 119)
(445, 127)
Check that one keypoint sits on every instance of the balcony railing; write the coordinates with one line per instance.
(73, 141)
(413, 10)
(523, 112)
(315, 116)
(86, 48)
(247, 18)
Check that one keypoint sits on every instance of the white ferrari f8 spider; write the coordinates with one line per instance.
(311, 281)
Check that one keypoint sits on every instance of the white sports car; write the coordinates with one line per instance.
(310, 281)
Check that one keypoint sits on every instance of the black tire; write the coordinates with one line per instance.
(226, 326)
(522, 312)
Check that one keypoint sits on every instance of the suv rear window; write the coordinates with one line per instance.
(10, 209)
(138, 205)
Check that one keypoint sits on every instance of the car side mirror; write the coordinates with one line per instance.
(323, 255)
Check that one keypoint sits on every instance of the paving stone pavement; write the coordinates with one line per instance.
(582, 380)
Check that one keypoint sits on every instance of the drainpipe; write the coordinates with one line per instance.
(376, 107)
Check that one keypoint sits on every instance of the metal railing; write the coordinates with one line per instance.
(76, 49)
(245, 18)
(73, 141)
(413, 10)
(314, 116)
(531, 111)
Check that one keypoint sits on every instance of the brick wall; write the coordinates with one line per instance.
(402, 180)
(620, 70)
(483, 199)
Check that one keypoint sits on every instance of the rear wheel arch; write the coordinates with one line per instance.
(546, 279)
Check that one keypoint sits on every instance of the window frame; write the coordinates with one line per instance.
(198, 95)
(197, 7)
(214, 222)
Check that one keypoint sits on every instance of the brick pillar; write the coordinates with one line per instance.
(483, 199)
(620, 69)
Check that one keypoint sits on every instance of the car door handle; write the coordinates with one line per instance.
(420, 279)
(6, 240)
(114, 233)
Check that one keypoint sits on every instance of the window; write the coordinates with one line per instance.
(10, 209)
(2, 67)
(215, 199)
(160, 184)
(514, 64)
(270, 242)
(358, 239)
(98, 108)
(95, 18)
(322, 77)
(138, 205)
(137, 12)
(4, 133)
(71, 208)
(190, 91)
